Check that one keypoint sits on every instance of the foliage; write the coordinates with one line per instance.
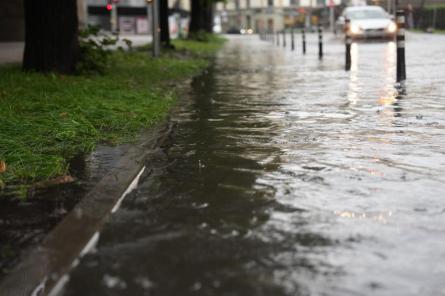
(95, 51)
(201, 35)
(46, 120)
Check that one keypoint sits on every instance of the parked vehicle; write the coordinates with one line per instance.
(367, 22)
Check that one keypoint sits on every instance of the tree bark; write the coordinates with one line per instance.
(201, 18)
(163, 22)
(208, 17)
(195, 16)
(51, 38)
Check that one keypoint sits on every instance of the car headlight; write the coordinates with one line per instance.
(392, 28)
(355, 29)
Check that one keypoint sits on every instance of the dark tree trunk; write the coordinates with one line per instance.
(196, 16)
(51, 41)
(208, 17)
(201, 18)
(165, 30)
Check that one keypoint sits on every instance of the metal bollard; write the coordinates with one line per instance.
(284, 38)
(401, 65)
(278, 38)
(320, 42)
(303, 36)
(292, 39)
(348, 42)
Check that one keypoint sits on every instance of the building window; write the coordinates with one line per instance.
(269, 3)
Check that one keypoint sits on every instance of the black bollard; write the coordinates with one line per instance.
(348, 42)
(401, 66)
(278, 38)
(320, 42)
(303, 36)
(284, 38)
(292, 40)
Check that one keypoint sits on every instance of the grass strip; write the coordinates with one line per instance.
(47, 119)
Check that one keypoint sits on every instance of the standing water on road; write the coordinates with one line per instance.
(286, 175)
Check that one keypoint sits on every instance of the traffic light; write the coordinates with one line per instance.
(110, 4)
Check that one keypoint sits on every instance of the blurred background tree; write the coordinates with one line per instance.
(201, 17)
(51, 38)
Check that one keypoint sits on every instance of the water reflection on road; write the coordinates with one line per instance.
(286, 175)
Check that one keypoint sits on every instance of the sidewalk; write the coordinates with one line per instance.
(11, 52)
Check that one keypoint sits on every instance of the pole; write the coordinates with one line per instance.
(155, 27)
(320, 42)
(434, 17)
(401, 66)
(278, 38)
(284, 38)
(113, 18)
(348, 42)
(303, 38)
(331, 18)
(292, 39)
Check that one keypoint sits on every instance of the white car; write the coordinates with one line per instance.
(367, 22)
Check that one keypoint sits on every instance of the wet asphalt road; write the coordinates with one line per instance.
(286, 175)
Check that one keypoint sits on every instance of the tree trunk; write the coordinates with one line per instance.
(196, 16)
(51, 41)
(165, 30)
(201, 18)
(208, 17)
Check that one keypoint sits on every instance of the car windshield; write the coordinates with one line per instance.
(366, 14)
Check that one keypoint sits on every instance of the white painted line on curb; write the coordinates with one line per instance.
(92, 243)
(130, 188)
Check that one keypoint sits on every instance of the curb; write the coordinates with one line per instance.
(44, 270)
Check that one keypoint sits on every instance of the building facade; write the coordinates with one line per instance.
(130, 16)
(275, 15)
(268, 15)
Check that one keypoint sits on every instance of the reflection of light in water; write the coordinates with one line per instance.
(388, 94)
(354, 88)
(386, 101)
(354, 57)
(390, 64)
(381, 217)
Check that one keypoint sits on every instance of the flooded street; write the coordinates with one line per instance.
(286, 175)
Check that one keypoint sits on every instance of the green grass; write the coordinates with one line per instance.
(198, 47)
(46, 120)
